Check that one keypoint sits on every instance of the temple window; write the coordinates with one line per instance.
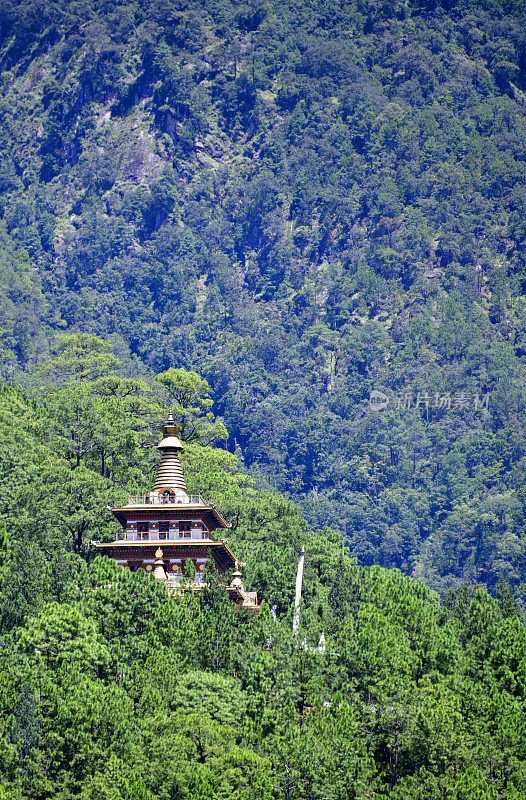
(185, 530)
(164, 530)
(142, 530)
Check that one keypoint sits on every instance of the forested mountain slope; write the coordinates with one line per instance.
(111, 690)
(305, 202)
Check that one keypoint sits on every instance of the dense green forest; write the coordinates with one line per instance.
(257, 214)
(304, 202)
(111, 690)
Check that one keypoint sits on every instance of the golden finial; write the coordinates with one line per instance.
(169, 427)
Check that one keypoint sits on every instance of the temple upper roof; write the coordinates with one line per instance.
(169, 497)
(170, 472)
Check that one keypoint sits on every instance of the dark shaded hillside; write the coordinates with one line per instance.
(305, 203)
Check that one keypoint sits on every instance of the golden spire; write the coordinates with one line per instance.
(170, 472)
(169, 428)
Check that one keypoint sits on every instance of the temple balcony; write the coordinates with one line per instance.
(154, 499)
(155, 536)
(176, 579)
(178, 584)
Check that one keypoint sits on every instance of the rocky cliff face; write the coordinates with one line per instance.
(306, 204)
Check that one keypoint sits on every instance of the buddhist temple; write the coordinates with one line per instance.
(170, 533)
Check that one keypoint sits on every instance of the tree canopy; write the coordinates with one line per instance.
(113, 689)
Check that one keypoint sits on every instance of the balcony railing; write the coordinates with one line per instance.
(169, 499)
(195, 534)
(179, 584)
(176, 579)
